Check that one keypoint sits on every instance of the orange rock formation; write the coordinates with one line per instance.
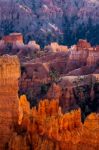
(13, 38)
(55, 47)
(83, 44)
(9, 74)
(48, 128)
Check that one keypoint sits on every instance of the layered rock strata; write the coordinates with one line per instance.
(13, 38)
(9, 74)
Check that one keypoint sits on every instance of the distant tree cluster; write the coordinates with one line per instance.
(87, 95)
(44, 28)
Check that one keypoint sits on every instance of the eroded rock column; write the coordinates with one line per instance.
(9, 74)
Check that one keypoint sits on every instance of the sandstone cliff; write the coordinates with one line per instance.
(9, 74)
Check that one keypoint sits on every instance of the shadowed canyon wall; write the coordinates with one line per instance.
(9, 74)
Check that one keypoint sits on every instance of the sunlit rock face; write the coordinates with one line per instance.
(33, 45)
(13, 44)
(46, 127)
(13, 38)
(78, 55)
(83, 58)
(9, 74)
(55, 47)
(93, 57)
(83, 44)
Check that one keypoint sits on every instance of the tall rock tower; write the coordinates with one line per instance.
(9, 74)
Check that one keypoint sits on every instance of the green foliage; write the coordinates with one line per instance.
(30, 93)
(83, 94)
(8, 47)
(44, 88)
(54, 75)
(87, 31)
